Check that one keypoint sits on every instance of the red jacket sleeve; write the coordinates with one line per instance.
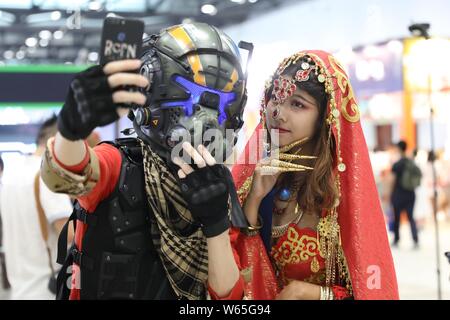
(110, 162)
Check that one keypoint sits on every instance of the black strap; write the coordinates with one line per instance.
(130, 147)
(78, 213)
(81, 259)
(87, 218)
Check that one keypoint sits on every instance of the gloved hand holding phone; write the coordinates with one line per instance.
(98, 95)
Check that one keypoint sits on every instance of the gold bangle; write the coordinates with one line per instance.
(257, 227)
(252, 230)
(322, 293)
(326, 293)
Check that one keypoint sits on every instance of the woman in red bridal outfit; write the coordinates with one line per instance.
(316, 227)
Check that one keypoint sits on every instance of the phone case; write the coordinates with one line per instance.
(121, 39)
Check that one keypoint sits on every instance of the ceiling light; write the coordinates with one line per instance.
(95, 5)
(20, 55)
(43, 42)
(209, 9)
(8, 54)
(58, 34)
(45, 34)
(31, 42)
(55, 15)
(93, 56)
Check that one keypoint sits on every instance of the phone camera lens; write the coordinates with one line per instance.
(121, 36)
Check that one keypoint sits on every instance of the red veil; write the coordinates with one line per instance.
(363, 232)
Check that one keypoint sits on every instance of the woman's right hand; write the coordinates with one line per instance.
(263, 182)
(261, 185)
(95, 97)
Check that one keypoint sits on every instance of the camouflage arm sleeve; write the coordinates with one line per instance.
(61, 180)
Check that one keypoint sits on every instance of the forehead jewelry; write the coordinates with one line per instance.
(283, 88)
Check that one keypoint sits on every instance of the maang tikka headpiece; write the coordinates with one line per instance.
(283, 88)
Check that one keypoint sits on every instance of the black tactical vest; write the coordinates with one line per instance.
(117, 260)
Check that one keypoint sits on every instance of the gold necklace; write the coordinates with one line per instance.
(278, 231)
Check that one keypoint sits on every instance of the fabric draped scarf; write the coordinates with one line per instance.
(177, 238)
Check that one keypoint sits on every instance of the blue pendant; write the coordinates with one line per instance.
(285, 194)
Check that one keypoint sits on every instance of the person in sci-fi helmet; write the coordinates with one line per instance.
(196, 84)
(150, 226)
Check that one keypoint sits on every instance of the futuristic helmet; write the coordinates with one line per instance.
(196, 84)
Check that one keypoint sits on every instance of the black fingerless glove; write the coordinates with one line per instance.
(88, 105)
(206, 192)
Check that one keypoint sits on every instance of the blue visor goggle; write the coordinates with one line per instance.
(197, 93)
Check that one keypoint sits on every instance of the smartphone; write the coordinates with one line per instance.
(121, 39)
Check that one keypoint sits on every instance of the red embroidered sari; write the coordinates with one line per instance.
(364, 243)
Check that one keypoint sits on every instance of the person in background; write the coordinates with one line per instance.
(406, 178)
(27, 259)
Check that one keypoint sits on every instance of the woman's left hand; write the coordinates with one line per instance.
(299, 290)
